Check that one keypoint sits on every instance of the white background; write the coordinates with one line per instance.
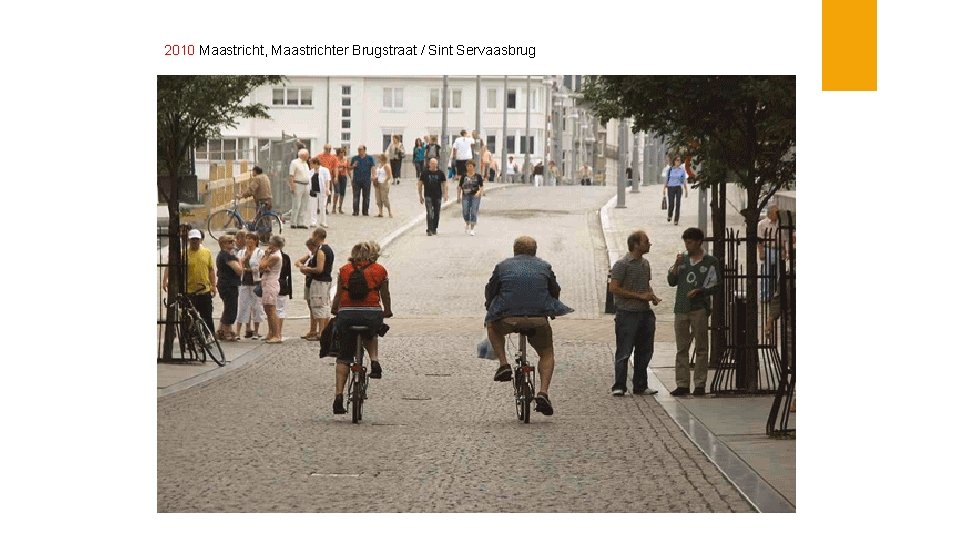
(878, 298)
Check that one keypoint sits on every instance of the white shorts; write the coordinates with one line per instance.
(319, 299)
(282, 307)
(249, 307)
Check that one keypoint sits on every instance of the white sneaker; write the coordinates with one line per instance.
(472, 232)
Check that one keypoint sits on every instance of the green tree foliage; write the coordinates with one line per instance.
(193, 108)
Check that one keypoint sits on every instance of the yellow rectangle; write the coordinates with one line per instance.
(849, 45)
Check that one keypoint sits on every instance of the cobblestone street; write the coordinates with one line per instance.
(438, 434)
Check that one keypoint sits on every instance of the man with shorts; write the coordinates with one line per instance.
(521, 294)
(463, 151)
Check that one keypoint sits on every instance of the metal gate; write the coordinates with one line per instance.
(784, 308)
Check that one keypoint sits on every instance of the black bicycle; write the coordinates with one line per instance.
(523, 378)
(219, 222)
(197, 342)
(358, 381)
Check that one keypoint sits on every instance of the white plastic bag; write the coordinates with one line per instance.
(485, 349)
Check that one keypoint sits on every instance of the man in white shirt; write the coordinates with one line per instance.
(462, 151)
(299, 183)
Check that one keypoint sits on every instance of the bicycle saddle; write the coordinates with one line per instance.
(358, 328)
(528, 332)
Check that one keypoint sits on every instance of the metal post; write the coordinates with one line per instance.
(547, 97)
(636, 163)
(503, 138)
(573, 140)
(444, 157)
(526, 137)
(702, 221)
(622, 163)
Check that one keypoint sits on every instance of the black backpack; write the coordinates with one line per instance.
(357, 286)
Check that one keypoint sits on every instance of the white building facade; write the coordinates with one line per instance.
(354, 111)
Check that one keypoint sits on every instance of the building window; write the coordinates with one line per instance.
(345, 101)
(455, 98)
(345, 90)
(345, 123)
(221, 149)
(345, 113)
(491, 142)
(345, 137)
(512, 99)
(510, 144)
(529, 144)
(491, 98)
(393, 98)
(293, 97)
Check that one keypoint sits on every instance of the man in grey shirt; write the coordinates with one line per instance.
(634, 322)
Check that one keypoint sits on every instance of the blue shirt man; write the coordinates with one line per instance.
(362, 164)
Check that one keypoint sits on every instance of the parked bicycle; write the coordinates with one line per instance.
(523, 378)
(197, 342)
(221, 221)
(358, 381)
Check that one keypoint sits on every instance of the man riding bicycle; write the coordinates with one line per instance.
(521, 294)
(259, 189)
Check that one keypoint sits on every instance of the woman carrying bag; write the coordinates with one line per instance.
(676, 179)
(396, 153)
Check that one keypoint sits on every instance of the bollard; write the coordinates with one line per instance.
(609, 306)
(740, 339)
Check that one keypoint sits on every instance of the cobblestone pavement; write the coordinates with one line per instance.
(438, 435)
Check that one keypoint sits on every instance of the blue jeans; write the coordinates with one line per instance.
(471, 205)
(634, 331)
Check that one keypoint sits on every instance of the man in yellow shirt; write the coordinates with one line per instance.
(201, 278)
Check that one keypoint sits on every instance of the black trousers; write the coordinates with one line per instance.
(673, 198)
(359, 187)
(395, 169)
(433, 211)
(204, 304)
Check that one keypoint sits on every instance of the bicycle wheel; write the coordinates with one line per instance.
(209, 344)
(195, 341)
(221, 221)
(356, 398)
(269, 224)
(527, 398)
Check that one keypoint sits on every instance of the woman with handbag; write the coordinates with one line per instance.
(269, 267)
(396, 153)
(419, 151)
(676, 179)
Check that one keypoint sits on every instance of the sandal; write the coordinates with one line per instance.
(504, 373)
(543, 404)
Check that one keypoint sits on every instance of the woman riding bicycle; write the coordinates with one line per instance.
(362, 286)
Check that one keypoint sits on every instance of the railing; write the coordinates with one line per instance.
(784, 309)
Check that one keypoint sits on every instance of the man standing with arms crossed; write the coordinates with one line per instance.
(635, 322)
(695, 275)
(299, 183)
(361, 164)
(431, 186)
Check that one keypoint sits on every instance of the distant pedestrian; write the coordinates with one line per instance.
(695, 274)
(362, 165)
(431, 187)
(769, 252)
(249, 307)
(396, 153)
(462, 151)
(469, 191)
(258, 188)
(382, 186)
(586, 175)
(320, 186)
(330, 161)
(553, 174)
(317, 272)
(538, 174)
(634, 322)
(486, 159)
(228, 285)
(676, 181)
(418, 157)
(343, 175)
(286, 291)
(270, 265)
(432, 150)
(299, 183)
(510, 171)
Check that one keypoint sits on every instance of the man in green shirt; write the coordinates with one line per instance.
(696, 276)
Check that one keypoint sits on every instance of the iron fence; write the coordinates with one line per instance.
(784, 324)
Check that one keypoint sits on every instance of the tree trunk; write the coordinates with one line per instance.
(718, 206)
(751, 215)
(174, 285)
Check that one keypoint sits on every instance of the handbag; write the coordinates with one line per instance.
(330, 339)
(663, 203)
(258, 290)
